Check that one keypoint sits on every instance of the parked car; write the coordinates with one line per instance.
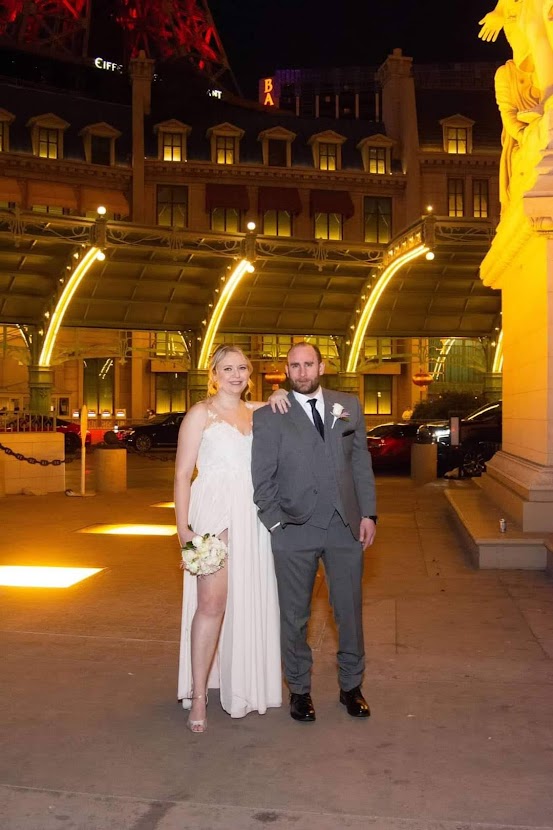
(160, 431)
(480, 436)
(390, 444)
(27, 422)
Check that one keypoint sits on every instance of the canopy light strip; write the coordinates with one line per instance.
(243, 266)
(445, 350)
(63, 303)
(372, 302)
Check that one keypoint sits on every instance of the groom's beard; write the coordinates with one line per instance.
(304, 387)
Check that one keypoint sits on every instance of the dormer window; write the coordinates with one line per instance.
(99, 143)
(327, 150)
(6, 119)
(172, 138)
(328, 154)
(457, 135)
(277, 146)
(225, 143)
(47, 135)
(376, 153)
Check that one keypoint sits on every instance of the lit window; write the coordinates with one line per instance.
(378, 394)
(277, 223)
(329, 226)
(328, 156)
(173, 147)
(377, 219)
(226, 220)
(225, 149)
(377, 159)
(172, 206)
(480, 198)
(455, 198)
(457, 140)
(48, 143)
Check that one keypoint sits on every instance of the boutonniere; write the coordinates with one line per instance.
(338, 411)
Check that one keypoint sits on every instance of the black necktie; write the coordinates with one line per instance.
(317, 420)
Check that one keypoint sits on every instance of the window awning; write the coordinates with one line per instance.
(53, 194)
(10, 190)
(226, 196)
(278, 198)
(331, 201)
(113, 200)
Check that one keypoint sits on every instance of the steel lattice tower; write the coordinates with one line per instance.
(165, 30)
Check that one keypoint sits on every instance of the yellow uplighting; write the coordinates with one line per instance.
(28, 576)
(372, 302)
(498, 356)
(170, 504)
(63, 303)
(243, 266)
(131, 530)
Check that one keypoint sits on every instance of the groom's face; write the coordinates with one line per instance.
(304, 370)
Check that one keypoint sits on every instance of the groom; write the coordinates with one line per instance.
(314, 488)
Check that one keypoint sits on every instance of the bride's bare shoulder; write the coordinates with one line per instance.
(198, 413)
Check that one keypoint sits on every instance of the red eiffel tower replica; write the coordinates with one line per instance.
(167, 31)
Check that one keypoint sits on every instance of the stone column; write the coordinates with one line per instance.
(197, 386)
(520, 262)
(41, 383)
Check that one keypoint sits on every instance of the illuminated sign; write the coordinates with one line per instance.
(269, 93)
(214, 93)
(109, 66)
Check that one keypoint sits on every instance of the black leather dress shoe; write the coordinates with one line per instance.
(301, 707)
(355, 703)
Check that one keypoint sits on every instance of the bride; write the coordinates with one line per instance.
(230, 636)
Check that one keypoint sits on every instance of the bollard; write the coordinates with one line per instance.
(424, 463)
(111, 469)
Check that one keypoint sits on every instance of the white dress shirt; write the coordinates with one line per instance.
(303, 400)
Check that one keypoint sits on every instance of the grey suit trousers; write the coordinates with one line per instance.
(297, 550)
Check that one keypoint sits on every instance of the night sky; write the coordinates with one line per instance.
(260, 36)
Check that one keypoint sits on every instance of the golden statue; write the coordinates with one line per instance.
(523, 85)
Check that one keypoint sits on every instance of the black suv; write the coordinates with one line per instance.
(480, 435)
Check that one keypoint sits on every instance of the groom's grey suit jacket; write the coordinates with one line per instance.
(300, 479)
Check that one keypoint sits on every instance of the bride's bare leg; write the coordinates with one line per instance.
(206, 625)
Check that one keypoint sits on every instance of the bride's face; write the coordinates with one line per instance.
(232, 374)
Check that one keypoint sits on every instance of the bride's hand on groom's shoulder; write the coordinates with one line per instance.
(279, 401)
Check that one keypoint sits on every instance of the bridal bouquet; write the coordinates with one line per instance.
(204, 555)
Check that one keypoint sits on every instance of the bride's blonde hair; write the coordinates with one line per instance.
(218, 355)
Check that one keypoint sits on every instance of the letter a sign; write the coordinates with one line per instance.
(268, 92)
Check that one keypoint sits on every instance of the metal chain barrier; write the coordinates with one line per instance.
(42, 461)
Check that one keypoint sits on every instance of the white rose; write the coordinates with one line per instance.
(337, 410)
(197, 541)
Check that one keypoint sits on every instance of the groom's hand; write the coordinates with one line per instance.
(367, 532)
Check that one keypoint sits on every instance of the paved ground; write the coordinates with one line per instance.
(460, 681)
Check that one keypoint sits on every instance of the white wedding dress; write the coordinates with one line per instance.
(247, 667)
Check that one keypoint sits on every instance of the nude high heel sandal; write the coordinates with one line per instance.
(197, 726)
